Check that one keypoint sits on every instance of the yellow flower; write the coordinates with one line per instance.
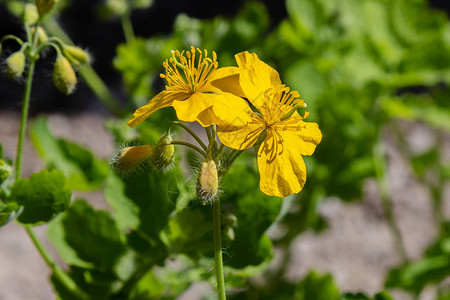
(189, 75)
(284, 136)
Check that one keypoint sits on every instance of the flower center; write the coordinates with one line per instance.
(280, 104)
(188, 71)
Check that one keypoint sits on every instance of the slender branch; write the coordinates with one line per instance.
(87, 72)
(383, 185)
(192, 133)
(218, 260)
(11, 37)
(190, 146)
(58, 272)
(23, 118)
(127, 27)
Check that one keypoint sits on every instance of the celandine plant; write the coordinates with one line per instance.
(243, 106)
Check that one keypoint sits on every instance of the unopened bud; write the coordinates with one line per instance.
(76, 55)
(15, 64)
(164, 155)
(130, 158)
(5, 171)
(30, 14)
(208, 182)
(45, 6)
(64, 77)
(41, 35)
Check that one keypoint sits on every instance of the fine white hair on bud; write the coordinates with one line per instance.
(64, 77)
(131, 158)
(208, 181)
(163, 157)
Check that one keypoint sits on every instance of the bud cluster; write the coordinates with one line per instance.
(67, 58)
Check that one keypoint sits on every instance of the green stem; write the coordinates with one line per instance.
(383, 185)
(57, 271)
(218, 261)
(127, 28)
(23, 118)
(87, 72)
(190, 146)
(192, 133)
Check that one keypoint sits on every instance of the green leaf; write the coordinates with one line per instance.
(317, 287)
(42, 196)
(93, 234)
(143, 201)
(255, 212)
(83, 170)
(8, 212)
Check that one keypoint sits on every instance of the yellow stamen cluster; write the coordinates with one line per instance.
(283, 104)
(188, 71)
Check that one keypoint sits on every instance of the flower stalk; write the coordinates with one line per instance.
(218, 260)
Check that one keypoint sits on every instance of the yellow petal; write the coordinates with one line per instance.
(241, 134)
(227, 80)
(256, 77)
(189, 109)
(281, 166)
(304, 136)
(163, 99)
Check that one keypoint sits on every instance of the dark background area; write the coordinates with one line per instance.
(101, 37)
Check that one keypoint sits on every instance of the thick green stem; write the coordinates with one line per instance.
(57, 271)
(218, 261)
(23, 118)
(383, 185)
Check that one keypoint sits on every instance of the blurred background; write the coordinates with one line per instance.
(375, 74)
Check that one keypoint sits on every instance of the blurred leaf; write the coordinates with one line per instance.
(56, 234)
(8, 212)
(43, 196)
(93, 234)
(83, 170)
(317, 287)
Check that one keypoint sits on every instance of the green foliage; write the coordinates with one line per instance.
(42, 196)
(83, 170)
(315, 286)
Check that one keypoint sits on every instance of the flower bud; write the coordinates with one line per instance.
(15, 64)
(64, 77)
(45, 6)
(5, 170)
(30, 14)
(164, 155)
(130, 158)
(41, 35)
(76, 55)
(208, 181)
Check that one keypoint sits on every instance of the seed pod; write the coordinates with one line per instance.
(64, 77)
(30, 14)
(15, 64)
(45, 6)
(208, 181)
(76, 55)
(5, 170)
(164, 156)
(130, 158)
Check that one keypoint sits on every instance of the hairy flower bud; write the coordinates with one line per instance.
(76, 55)
(5, 171)
(164, 155)
(64, 77)
(208, 181)
(130, 158)
(45, 6)
(30, 14)
(15, 64)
